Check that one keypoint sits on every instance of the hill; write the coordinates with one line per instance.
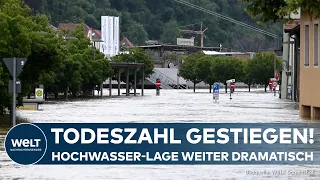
(161, 20)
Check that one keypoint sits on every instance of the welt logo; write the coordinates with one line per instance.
(25, 143)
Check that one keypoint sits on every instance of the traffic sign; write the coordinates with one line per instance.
(14, 66)
(20, 62)
(232, 85)
(275, 84)
(216, 88)
(18, 86)
(158, 83)
(39, 93)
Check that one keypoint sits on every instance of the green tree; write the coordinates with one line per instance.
(278, 10)
(262, 67)
(136, 33)
(17, 39)
(248, 76)
(171, 32)
(151, 19)
(226, 68)
(204, 72)
(45, 59)
(189, 69)
(81, 71)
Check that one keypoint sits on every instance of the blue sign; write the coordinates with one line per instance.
(164, 143)
(216, 88)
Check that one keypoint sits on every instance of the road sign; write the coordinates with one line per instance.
(232, 85)
(14, 66)
(158, 83)
(275, 84)
(39, 93)
(20, 62)
(18, 86)
(216, 88)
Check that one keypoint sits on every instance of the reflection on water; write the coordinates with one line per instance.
(170, 106)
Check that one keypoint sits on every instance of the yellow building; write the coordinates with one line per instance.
(309, 66)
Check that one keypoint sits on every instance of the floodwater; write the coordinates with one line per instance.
(170, 106)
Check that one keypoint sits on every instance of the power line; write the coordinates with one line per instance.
(228, 18)
(190, 25)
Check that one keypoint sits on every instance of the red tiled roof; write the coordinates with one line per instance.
(97, 32)
(72, 27)
(127, 42)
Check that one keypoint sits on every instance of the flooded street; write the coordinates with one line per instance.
(170, 106)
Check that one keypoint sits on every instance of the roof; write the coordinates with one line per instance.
(294, 30)
(86, 28)
(127, 42)
(127, 65)
(179, 48)
(97, 33)
(213, 53)
(72, 26)
(222, 53)
(293, 27)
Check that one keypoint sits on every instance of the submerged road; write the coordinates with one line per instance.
(170, 106)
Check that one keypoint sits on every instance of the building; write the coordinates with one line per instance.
(238, 55)
(125, 44)
(290, 61)
(89, 32)
(309, 66)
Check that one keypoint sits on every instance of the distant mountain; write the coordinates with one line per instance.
(161, 20)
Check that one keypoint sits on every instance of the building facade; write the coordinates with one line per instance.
(309, 66)
(291, 62)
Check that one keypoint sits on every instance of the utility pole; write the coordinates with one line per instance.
(177, 56)
(275, 70)
(201, 33)
(14, 80)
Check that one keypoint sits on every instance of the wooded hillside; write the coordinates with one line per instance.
(161, 20)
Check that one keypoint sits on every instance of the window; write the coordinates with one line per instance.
(316, 45)
(306, 45)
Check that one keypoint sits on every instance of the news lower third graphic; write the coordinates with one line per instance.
(164, 143)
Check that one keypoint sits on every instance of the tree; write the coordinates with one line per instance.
(17, 38)
(248, 76)
(80, 71)
(143, 19)
(136, 33)
(204, 72)
(262, 67)
(170, 33)
(189, 69)
(45, 59)
(226, 68)
(278, 10)
(135, 56)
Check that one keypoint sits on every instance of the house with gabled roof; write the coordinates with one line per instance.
(89, 32)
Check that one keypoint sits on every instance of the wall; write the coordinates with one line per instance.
(309, 75)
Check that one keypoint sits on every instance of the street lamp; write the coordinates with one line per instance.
(68, 38)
